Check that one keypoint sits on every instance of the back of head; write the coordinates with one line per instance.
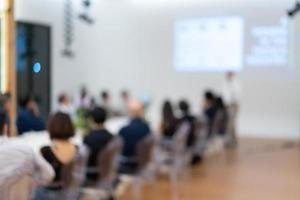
(209, 95)
(135, 108)
(104, 95)
(184, 107)
(27, 100)
(230, 75)
(2, 121)
(98, 115)
(60, 126)
(167, 111)
(62, 98)
(4, 98)
(124, 94)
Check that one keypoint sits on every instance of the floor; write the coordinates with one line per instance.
(258, 169)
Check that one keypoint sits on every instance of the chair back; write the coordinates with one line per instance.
(107, 160)
(220, 122)
(73, 175)
(145, 151)
(180, 138)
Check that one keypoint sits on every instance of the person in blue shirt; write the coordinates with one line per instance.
(132, 134)
(29, 116)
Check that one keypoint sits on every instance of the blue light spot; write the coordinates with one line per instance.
(37, 68)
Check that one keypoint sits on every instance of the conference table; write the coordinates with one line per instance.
(39, 139)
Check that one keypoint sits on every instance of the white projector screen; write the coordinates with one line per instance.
(230, 43)
(209, 44)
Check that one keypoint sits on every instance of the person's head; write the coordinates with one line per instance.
(29, 103)
(60, 127)
(135, 108)
(5, 101)
(230, 75)
(184, 107)
(209, 98)
(98, 115)
(2, 122)
(167, 111)
(124, 95)
(83, 92)
(105, 96)
(63, 99)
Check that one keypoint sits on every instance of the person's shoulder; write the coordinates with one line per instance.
(16, 146)
(107, 132)
(124, 129)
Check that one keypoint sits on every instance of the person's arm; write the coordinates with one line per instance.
(43, 173)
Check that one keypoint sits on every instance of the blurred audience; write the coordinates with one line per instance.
(96, 140)
(221, 118)
(125, 97)
(132, 134)
(65, 105)
(60, 153)
(105, 102)
(186, 116)
(83, 100)
(210, 111)
(29, 118)
(169, 121)
(21, 168)
(5, 104)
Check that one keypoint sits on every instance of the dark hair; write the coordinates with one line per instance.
(104, 94)
(61, 98)
(220, 103)
(3, 119)
(98, 115)
(168, 112)
(209, 95)
(25, 100)
(184, 106)
(60, 126)
(124, 93)
(4, 98)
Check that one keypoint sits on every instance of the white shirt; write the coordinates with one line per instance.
(231, 91)
(67, 109)
(21, 170)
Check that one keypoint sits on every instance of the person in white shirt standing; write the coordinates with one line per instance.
(21, 168)
(231, 93)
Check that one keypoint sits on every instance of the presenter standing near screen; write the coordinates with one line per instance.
(231, 92)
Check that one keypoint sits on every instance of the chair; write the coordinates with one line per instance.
(143, 158)
(72, 177)
(177, 156)
(107, 168)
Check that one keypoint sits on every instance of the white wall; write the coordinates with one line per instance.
(130, 46)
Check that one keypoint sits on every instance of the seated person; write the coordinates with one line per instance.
(125, 96)
(96, 140)
(221, 118)
(18, 162)
(65, 105)
(184, 107)
(105, 102)
(169, 122)
(132, 134)
(60, 153)
(210, 111)
(29, 116)
(5, 103)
